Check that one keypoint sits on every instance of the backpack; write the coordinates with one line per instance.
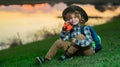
(96, 38)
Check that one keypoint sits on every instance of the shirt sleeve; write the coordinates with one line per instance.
(87, 41)
(64, 35)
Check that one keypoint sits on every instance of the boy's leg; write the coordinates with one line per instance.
(70, 52)
(79, 50)
(85, 51)
(57, 45)
(72, 49)
(89, 51)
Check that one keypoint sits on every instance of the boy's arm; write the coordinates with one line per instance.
(88, 38)
(64, 35)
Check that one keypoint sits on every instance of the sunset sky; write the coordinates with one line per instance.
(30, 18)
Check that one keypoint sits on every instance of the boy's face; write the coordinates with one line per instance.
(73, 19)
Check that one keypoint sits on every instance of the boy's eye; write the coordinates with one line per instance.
(70, 18)
(75, 17)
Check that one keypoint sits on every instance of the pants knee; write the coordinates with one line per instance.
(62, 44)
(72, 50)
(89, 52)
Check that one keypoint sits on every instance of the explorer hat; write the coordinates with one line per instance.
(75, 8)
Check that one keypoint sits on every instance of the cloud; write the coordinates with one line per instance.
(28, 8)
(10, 8)
(43, 7)
(60, 6)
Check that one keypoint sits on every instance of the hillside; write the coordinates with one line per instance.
(24, 56)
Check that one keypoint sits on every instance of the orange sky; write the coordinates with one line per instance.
(27, 18)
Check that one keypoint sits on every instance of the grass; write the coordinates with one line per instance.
(109, 56)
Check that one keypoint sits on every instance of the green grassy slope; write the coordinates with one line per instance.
(109, 56)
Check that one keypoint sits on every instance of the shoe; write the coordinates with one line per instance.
(40, 60)
(64, 57)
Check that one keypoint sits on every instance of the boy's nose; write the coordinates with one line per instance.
(72, 19)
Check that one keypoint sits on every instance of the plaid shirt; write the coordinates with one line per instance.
(66, 35)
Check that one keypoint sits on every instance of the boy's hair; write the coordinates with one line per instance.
(77, 14)
(74, 8)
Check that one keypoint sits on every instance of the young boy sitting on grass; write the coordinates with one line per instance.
(74, 17)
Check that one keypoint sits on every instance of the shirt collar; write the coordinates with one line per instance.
(76, 26)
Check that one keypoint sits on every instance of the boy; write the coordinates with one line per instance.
(75, 17)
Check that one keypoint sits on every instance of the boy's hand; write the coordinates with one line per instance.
(73, 40)
(67, 26)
